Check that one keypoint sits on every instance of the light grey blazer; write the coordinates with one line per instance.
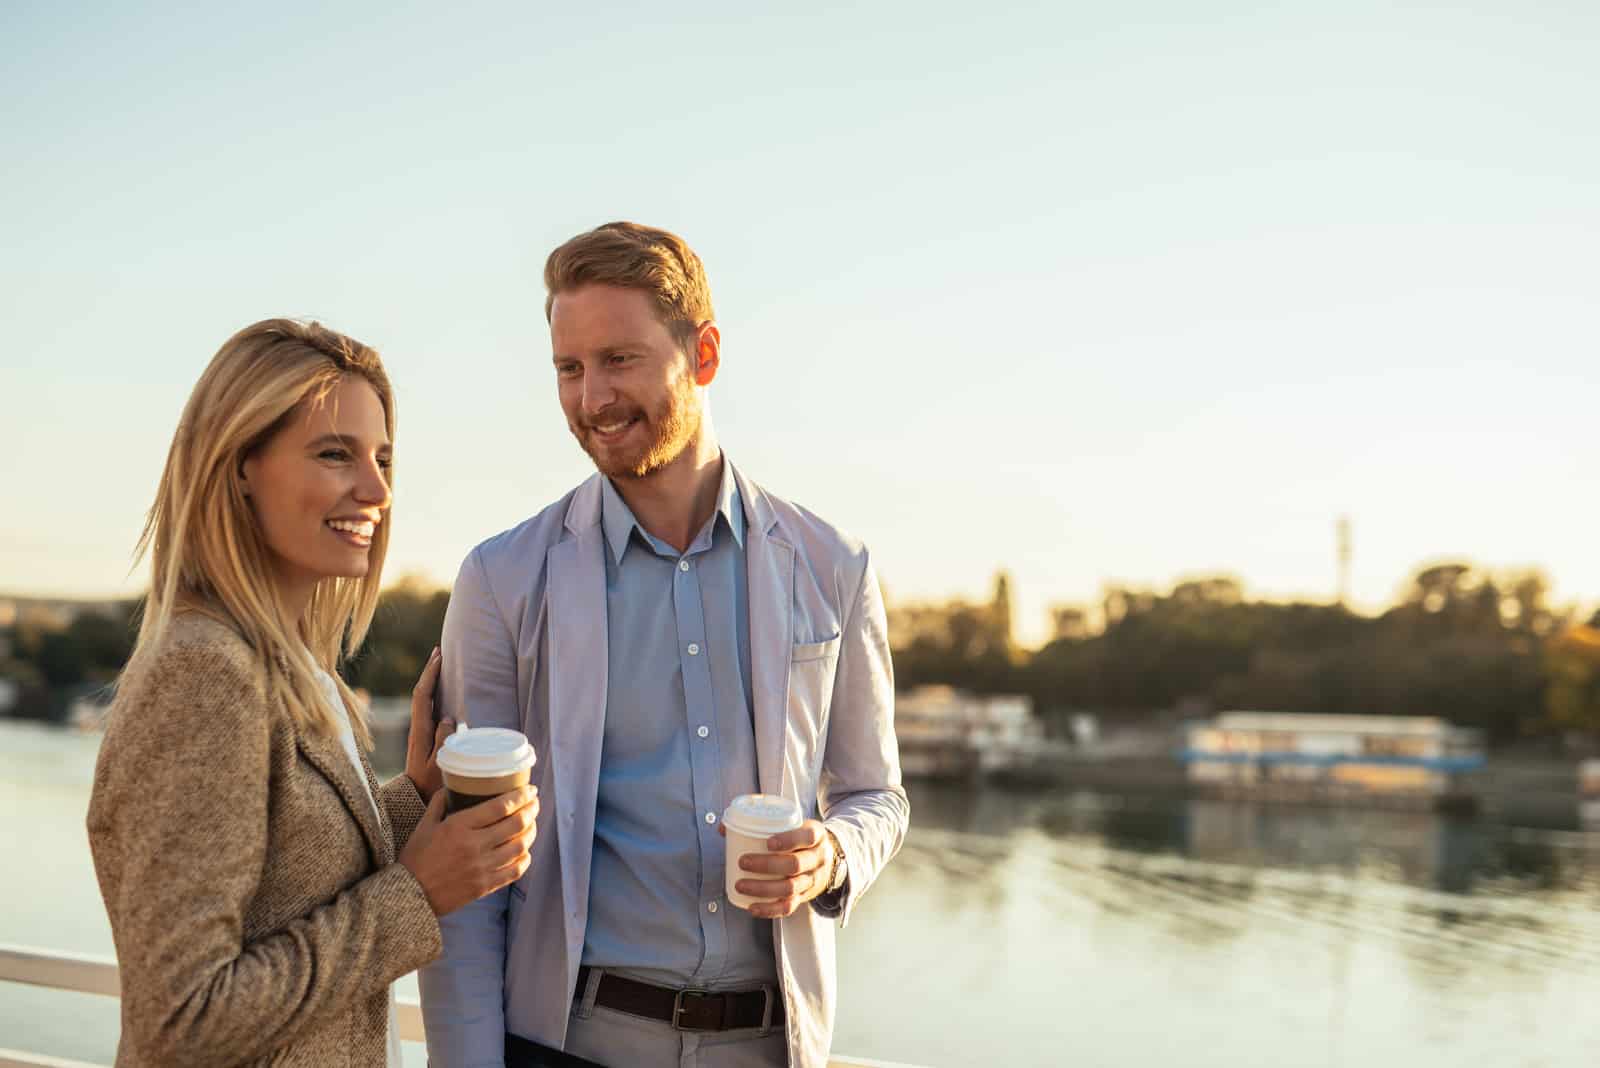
(527, 617)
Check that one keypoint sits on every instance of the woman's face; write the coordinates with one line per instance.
(320, 487)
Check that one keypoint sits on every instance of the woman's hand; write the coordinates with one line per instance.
(476, 851)
(424, 739)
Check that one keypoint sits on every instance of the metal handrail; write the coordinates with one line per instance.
(86, 973)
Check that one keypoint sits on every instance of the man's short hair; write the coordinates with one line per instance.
(637, 257)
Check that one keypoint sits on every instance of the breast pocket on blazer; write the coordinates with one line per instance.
(812, 666)
(825, 649)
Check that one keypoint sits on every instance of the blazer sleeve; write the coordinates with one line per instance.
(463, 993)
(178, 829)
(404, 807)
(860, 796)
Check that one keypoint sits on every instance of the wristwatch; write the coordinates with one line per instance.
(839, 874)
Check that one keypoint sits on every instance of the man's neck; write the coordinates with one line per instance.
(675, 501)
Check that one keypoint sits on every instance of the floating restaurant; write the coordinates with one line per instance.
(1294, 757)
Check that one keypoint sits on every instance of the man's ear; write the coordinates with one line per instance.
(707, 355)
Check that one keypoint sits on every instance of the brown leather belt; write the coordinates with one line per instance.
(686, 1010)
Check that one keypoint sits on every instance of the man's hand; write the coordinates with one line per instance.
(794, 871)
(424, 739)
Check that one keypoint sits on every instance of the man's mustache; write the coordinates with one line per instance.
(609, 416)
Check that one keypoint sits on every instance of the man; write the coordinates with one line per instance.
(669, 635)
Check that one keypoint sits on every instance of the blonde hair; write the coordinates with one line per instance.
(207, 552)
(637, 257)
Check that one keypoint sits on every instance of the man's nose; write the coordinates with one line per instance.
(597, 394)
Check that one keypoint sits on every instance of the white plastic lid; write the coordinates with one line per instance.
(485, 751)
(759, 815)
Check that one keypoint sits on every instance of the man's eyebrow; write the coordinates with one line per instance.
(347, 442)
(608, 350)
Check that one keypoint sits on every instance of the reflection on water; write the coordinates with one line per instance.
(1079, 929)
(1148, 930)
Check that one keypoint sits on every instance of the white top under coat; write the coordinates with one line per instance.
(347, 739)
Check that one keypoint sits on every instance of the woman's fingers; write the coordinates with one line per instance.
(422, 698)
(517, 825)
(434, 814)
(444, 730)
(486, 814)
(505, 854)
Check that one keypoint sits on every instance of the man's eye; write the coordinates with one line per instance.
(566, 370)
(619, 359)
(385, 464)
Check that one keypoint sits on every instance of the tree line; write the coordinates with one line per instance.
(1480, 647)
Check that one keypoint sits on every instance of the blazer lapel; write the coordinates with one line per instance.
(386, 831)
(769, 576)
(576, 626)
(327, 755)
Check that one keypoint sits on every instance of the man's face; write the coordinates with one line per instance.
(626, 385)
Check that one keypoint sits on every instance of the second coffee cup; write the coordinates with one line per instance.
(479, 763)
(749, 821)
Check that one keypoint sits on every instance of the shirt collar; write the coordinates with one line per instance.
(619, 522)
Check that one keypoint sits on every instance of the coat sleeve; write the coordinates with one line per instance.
(463, 993)
(178, 830)
(404, 807)
(860, 796)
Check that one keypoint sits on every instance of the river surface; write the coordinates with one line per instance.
(1071, 929)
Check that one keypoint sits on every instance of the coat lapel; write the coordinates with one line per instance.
(769, 576)
(576, 626)
(327, 755)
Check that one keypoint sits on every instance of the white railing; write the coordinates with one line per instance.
(88, 974)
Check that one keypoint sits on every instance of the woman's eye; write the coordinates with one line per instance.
(333, 454)
(385, 464)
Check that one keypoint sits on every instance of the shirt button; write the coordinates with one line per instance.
(694, 650)
(712, 907)
(711, 817)
(683, 565)
(704, 732)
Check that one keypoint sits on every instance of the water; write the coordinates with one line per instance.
(1073, 929)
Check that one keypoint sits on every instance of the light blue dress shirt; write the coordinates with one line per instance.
(679, 745)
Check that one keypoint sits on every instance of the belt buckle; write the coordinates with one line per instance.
(677, 1011)
(766, 1008)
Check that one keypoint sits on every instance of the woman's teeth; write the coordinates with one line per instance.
(363, 529)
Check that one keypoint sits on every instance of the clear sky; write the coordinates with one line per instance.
(1088, 291)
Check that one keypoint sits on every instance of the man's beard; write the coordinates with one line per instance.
(672, 426)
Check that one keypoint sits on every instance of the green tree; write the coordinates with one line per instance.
(405, 627)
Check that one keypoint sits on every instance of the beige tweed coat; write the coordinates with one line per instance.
(258, 911)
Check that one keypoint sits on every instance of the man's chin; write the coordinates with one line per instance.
(618, 465)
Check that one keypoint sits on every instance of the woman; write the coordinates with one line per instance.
(264, 892)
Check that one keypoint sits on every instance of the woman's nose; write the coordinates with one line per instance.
(373, 486)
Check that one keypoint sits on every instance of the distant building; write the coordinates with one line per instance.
(1334, 756)
(946, 732)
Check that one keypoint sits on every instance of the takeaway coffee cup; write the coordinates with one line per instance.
(483, 762)
(749, 820)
